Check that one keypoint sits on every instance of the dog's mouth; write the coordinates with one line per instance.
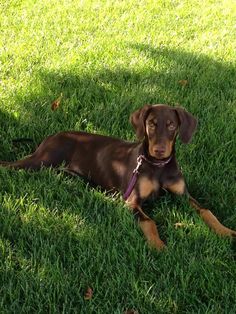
(160, 156)
(161, 150)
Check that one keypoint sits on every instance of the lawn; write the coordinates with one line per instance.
(59, 236)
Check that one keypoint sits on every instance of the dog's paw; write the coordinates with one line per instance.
(158, 245)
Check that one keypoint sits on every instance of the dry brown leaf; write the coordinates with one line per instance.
(88, 294)
(131, 312)
(56, 103)
(182, 224)
(179, 224)
(183, 83)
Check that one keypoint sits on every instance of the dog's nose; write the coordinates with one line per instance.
(159, 150)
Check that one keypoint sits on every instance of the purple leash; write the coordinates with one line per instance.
(135, 173)
(134, 177)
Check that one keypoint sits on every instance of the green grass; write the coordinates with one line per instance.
(108, 58)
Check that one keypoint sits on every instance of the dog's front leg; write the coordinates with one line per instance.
(211, 219)
(146, 224)
(179, 188)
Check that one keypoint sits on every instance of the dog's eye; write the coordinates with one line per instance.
(151, 125)
(171, 126)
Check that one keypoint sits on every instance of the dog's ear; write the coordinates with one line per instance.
(137, 119)
(187, 125)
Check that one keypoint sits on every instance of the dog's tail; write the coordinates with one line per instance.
(29, 162)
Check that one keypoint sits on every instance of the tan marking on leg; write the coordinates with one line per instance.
(149, 229)
(132, 203)
(147, 186)
(147, 225)
(211, 220)
(177, 187)
(214, 223)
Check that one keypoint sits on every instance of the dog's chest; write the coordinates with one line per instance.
(147, 186)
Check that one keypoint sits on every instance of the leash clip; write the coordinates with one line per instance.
(139, 163)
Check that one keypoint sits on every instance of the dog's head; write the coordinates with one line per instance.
(159, 126)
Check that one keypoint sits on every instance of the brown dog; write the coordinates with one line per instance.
(137, 170)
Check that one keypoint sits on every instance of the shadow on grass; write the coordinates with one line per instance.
(209, 93)
(55, 246)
